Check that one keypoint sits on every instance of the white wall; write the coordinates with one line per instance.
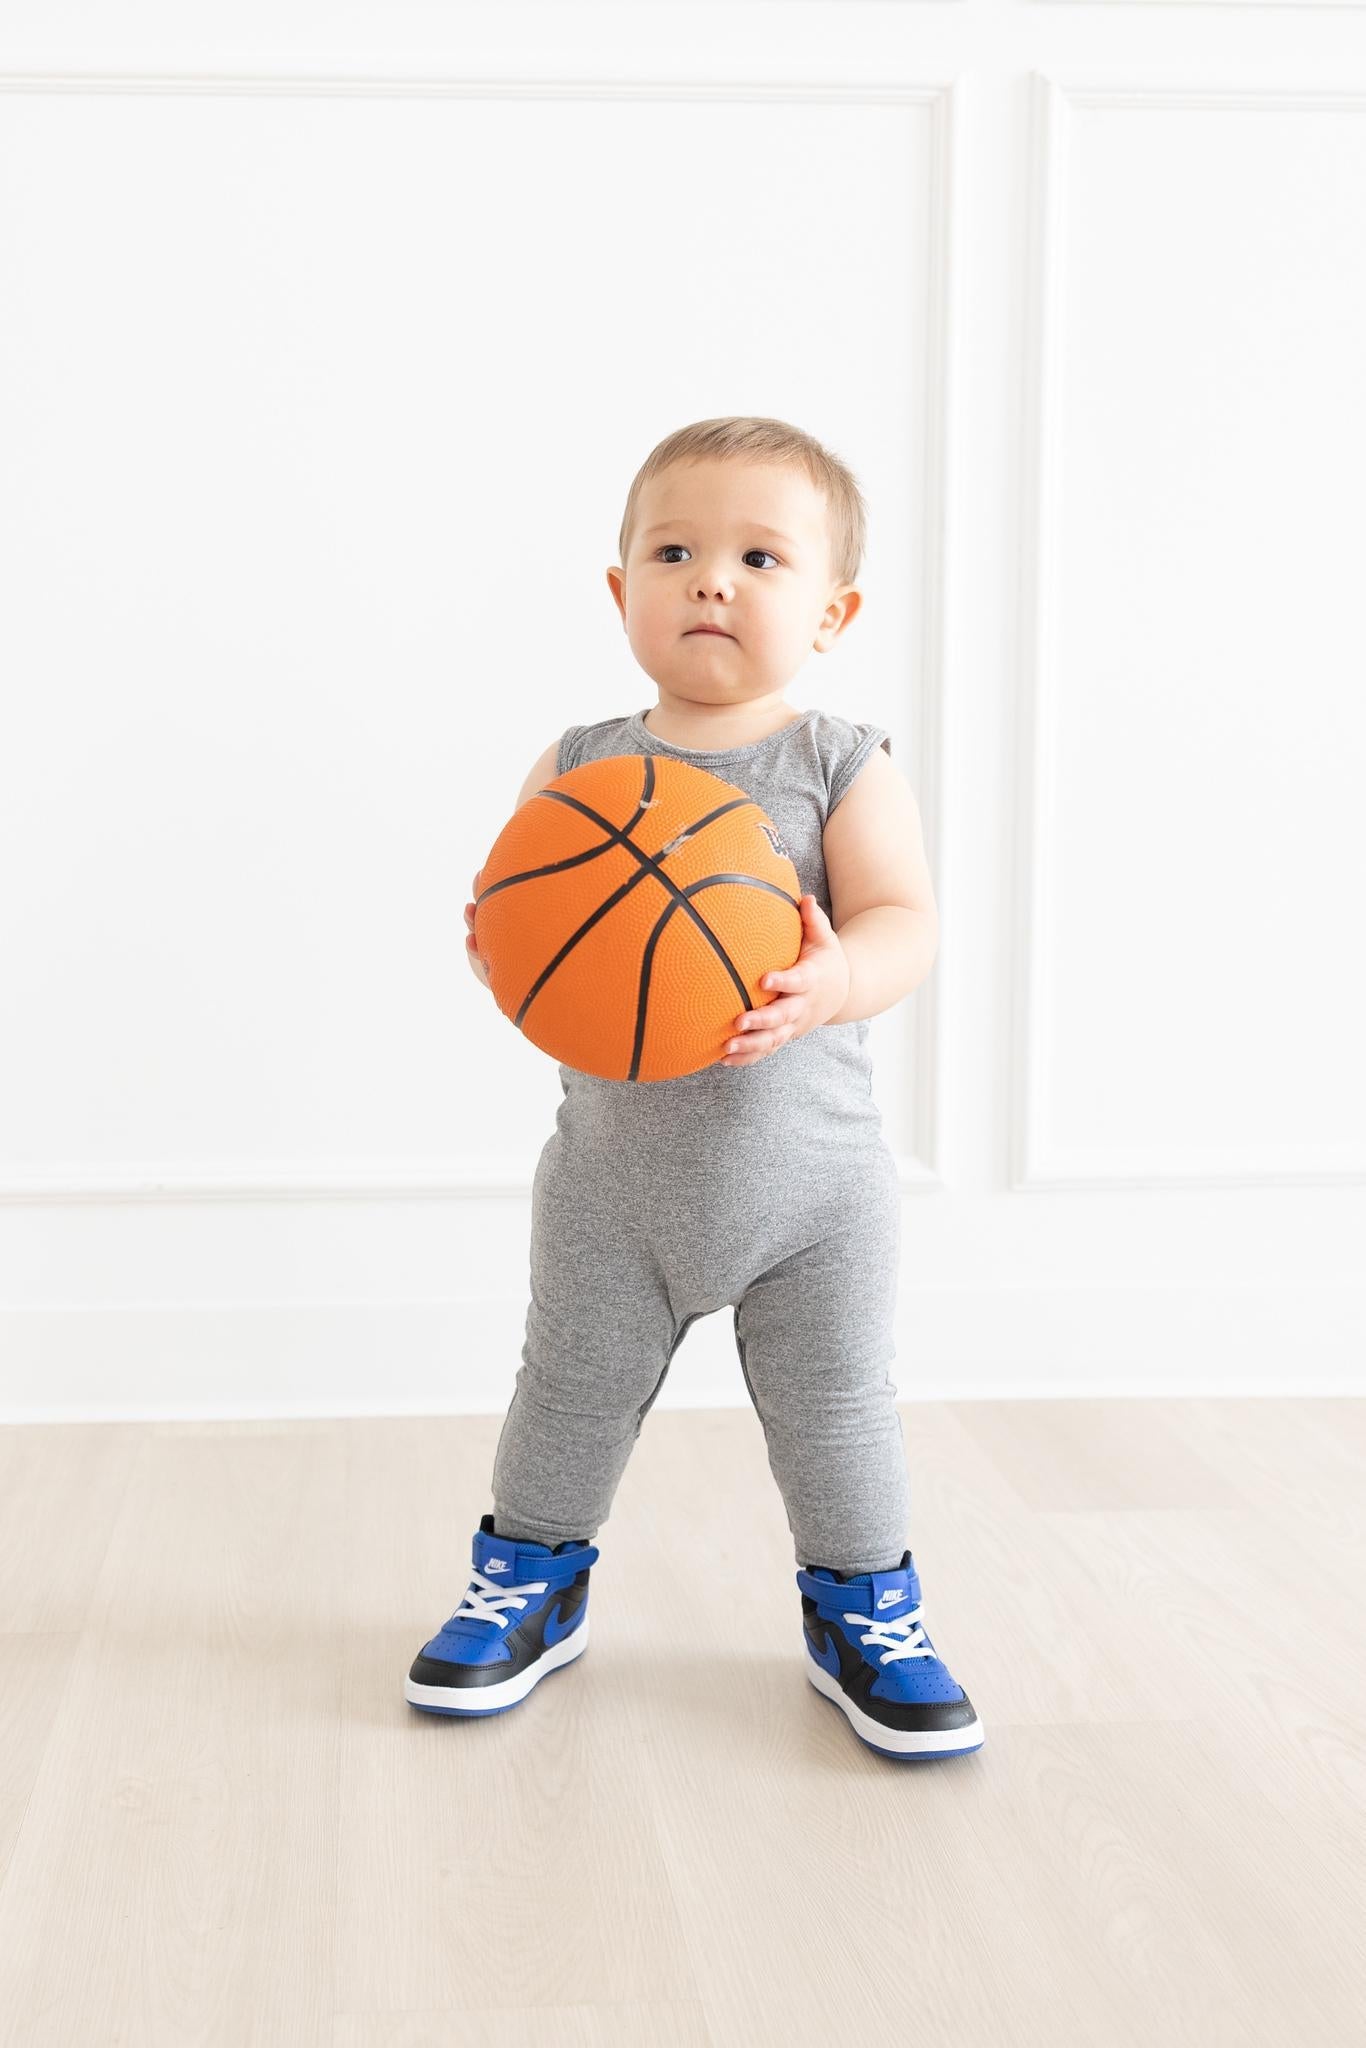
(330, 347)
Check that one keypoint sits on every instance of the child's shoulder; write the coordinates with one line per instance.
(835, 734)
(842, 746)
(580, 743)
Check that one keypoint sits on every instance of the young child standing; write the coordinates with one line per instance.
(762, 1180)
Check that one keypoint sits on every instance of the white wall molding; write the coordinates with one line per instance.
(924, 93)
(365, 1181)
(401, 1356)
(919, 1158)
(1035, 1164)
(463, 1179)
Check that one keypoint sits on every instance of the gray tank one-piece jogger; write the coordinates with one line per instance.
(769, 1186)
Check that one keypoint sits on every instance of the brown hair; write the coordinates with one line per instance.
(774, 441)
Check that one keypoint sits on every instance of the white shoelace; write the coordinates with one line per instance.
(895, 1637)
(484, 1599)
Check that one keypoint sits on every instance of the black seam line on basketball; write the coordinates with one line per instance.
(577, 860)
(647, 957)
(687, 891)
(592, 853)
(618, 836)
(649, 866)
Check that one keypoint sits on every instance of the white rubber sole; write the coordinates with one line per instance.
(895, 1741)
(490, 1699)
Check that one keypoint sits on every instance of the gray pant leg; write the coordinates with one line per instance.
(600, 1332)
(815, 1337)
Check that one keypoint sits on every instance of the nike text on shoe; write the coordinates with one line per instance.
(524, 1614)
(867, 1652)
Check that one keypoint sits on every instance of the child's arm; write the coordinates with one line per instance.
(882, 902)
(883, 932)
(544, 770)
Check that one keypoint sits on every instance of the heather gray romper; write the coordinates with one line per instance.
(769, 1186)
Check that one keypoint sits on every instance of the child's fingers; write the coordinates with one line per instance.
(741, 1052)
(739, 1059)
(781, 1010)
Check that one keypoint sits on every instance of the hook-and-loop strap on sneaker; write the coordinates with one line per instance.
(868, 1653)
(524, 1614)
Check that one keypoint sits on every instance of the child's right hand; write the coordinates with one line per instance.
(471, 950)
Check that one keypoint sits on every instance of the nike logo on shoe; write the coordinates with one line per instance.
(556, 1627)
(829, 1658)
(891, 1599)
(496, 1564)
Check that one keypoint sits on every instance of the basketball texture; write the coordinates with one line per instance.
(628, 911)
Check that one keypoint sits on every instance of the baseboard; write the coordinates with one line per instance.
(180, 1361)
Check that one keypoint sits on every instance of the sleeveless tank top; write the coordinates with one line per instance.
(818, 1086)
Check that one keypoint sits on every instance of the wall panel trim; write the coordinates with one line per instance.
(396, 1180)
(1034, 1165)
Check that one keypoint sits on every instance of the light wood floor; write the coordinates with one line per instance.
(220, 1823)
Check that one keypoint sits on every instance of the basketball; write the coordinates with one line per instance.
(628, 911)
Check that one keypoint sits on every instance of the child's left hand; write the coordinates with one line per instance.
(814, 988)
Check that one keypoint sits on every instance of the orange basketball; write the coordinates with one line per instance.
(628, 911)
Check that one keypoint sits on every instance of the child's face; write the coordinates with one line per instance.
(741, 545)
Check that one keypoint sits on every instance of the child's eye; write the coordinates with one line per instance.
(676, 548)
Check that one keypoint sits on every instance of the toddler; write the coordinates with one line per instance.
(762, 1181)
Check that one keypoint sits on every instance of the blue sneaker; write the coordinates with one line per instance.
(866, 1651)
(525, 1613)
